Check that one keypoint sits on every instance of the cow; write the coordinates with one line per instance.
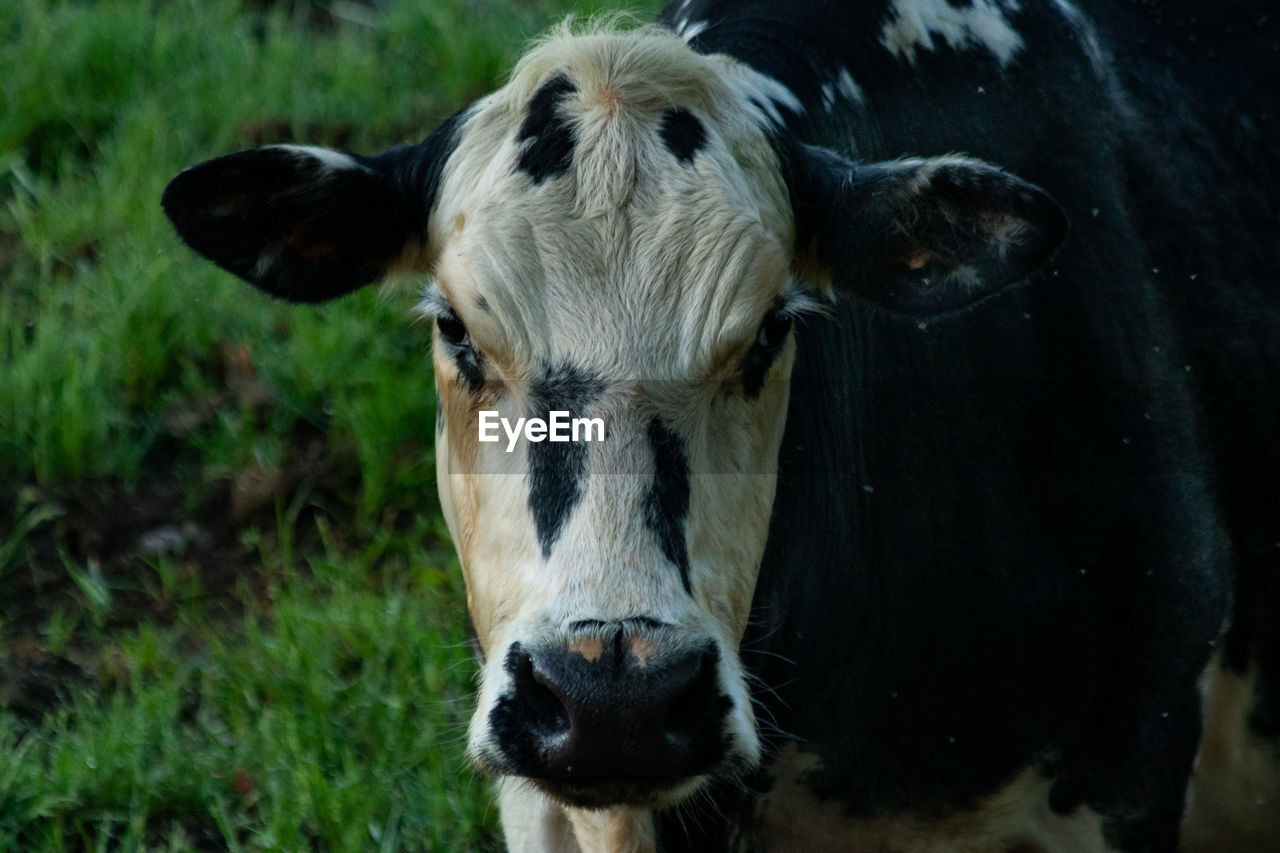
(936, 345)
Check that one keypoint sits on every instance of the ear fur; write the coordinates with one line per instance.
(309, 224)
(918, 236)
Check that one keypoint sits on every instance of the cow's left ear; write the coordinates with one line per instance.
(918, 236)
(309, 224)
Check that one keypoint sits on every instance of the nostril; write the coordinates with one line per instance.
(545, 712)
(696, 703)
(594, 730)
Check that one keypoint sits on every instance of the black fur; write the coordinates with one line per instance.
(764, 352)
(682, 133)
(546, 136)
(667, 504)
(470, 364)
(524, 716)
(557, 469)
(892, 235)
(1006, 538)
(286, 223)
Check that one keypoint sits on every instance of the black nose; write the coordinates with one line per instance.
(608, 726)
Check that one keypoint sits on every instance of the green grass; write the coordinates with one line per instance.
(332, 715)
(230, 618)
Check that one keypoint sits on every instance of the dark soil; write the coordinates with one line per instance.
(116, 536)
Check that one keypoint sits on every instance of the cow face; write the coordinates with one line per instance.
(614, 236)
(613, 249)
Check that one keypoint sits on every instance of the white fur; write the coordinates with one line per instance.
(1233, 799)
(842, 85)
(762, 94)
(654, 276)
(828, 96)
(1085, 32)
(912, 25)
(263, 266)
(689, 30)
(848, 87)
(335, 160)
(791, 817)
(531, 821)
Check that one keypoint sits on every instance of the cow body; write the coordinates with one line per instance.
(949, 567)
(1004, 545)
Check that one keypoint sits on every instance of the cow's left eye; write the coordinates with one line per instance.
(773, 331)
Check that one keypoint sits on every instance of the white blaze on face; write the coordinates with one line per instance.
(640, 278)
(912, 25)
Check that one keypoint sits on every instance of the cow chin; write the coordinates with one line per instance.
(615, 717)
(607, 792)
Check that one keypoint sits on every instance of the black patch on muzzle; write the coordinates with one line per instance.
(667, 504)
(606, 731)
(682, 133)
(547, 138)
(556, 469)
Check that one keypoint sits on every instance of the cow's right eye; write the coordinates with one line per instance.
(453, 330)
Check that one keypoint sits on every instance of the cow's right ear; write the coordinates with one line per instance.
(918, 235)
(310, 224)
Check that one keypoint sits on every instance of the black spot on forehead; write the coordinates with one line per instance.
(547, 136)
(682, 133)
(667, 504)
(556, 469)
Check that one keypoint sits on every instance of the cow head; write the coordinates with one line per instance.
(615, 234)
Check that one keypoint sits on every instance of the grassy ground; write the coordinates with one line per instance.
(230, 617)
